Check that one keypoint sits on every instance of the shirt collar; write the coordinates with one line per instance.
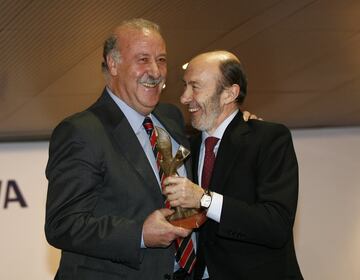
(134, 118)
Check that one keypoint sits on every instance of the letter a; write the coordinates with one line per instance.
(18, 196)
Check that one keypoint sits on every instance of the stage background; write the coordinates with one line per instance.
(327, 229)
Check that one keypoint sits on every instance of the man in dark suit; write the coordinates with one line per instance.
(250, 192)
(105, 208)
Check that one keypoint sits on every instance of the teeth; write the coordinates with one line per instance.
(149, 85)
(192, 110)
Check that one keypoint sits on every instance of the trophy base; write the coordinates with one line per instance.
(191, 222)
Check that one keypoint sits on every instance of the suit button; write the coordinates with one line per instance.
(167, 276)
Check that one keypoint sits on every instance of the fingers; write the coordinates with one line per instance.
(255, 117)
(248, 116)
(166, 212)
(181, 232)
(173, 197)
(177, 195)
(171, 189)
(183, 193)
(177, 190)
(158, 232)
(174, 180)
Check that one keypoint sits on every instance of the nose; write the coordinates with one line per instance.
(187, 95)
(154, 69)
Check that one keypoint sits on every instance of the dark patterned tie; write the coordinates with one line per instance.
(185, 253)
(209, 160)
(149, 128)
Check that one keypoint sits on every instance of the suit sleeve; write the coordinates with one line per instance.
(75, 174)
(269, 220)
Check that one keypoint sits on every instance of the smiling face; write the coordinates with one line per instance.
(209, 103)
(140, 74)
(200, 94)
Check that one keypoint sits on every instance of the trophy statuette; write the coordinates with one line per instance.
(183, 217)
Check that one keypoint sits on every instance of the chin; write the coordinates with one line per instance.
(196, 125)
(149, 97)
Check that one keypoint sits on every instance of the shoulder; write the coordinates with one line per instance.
(84, 124)
(269, 138)
(82, 120)
(267, 129)
(257, 134)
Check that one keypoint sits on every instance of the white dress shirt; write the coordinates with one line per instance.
(214, 211)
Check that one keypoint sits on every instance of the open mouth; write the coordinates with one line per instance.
(151, 82)
(193, 108)
(150, 85)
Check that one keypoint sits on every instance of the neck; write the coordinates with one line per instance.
(221, 118)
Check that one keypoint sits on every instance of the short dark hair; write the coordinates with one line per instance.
(232, 72)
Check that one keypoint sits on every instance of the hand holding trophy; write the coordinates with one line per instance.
(183, 217)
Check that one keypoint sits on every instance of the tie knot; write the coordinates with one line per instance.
(210, 143)
(148, 125)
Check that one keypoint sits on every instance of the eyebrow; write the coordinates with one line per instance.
(191, 82)
(147, 54)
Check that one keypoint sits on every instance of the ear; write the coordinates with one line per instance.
(231, 93)
(111, 63)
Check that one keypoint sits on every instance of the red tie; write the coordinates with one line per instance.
(185, 253)
(208, 166)
(209, 161)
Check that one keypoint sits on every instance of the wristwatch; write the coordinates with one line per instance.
(205, 200)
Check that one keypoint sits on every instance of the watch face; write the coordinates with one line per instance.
(205, 201)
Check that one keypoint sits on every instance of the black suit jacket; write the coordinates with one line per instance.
(257, 173)
(101, 189)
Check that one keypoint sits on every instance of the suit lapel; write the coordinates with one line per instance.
(131, 149)
(232, 143)
(126, 141)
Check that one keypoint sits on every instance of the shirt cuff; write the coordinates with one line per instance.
(214, 211)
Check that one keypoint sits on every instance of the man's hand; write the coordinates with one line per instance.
(158, 232)
(247, 115)
(180, 191)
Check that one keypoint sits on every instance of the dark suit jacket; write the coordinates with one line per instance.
(257, 173)
(101, 189)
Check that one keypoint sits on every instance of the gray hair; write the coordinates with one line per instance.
(111, 45)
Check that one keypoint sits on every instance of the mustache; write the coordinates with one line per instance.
(152, 80)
